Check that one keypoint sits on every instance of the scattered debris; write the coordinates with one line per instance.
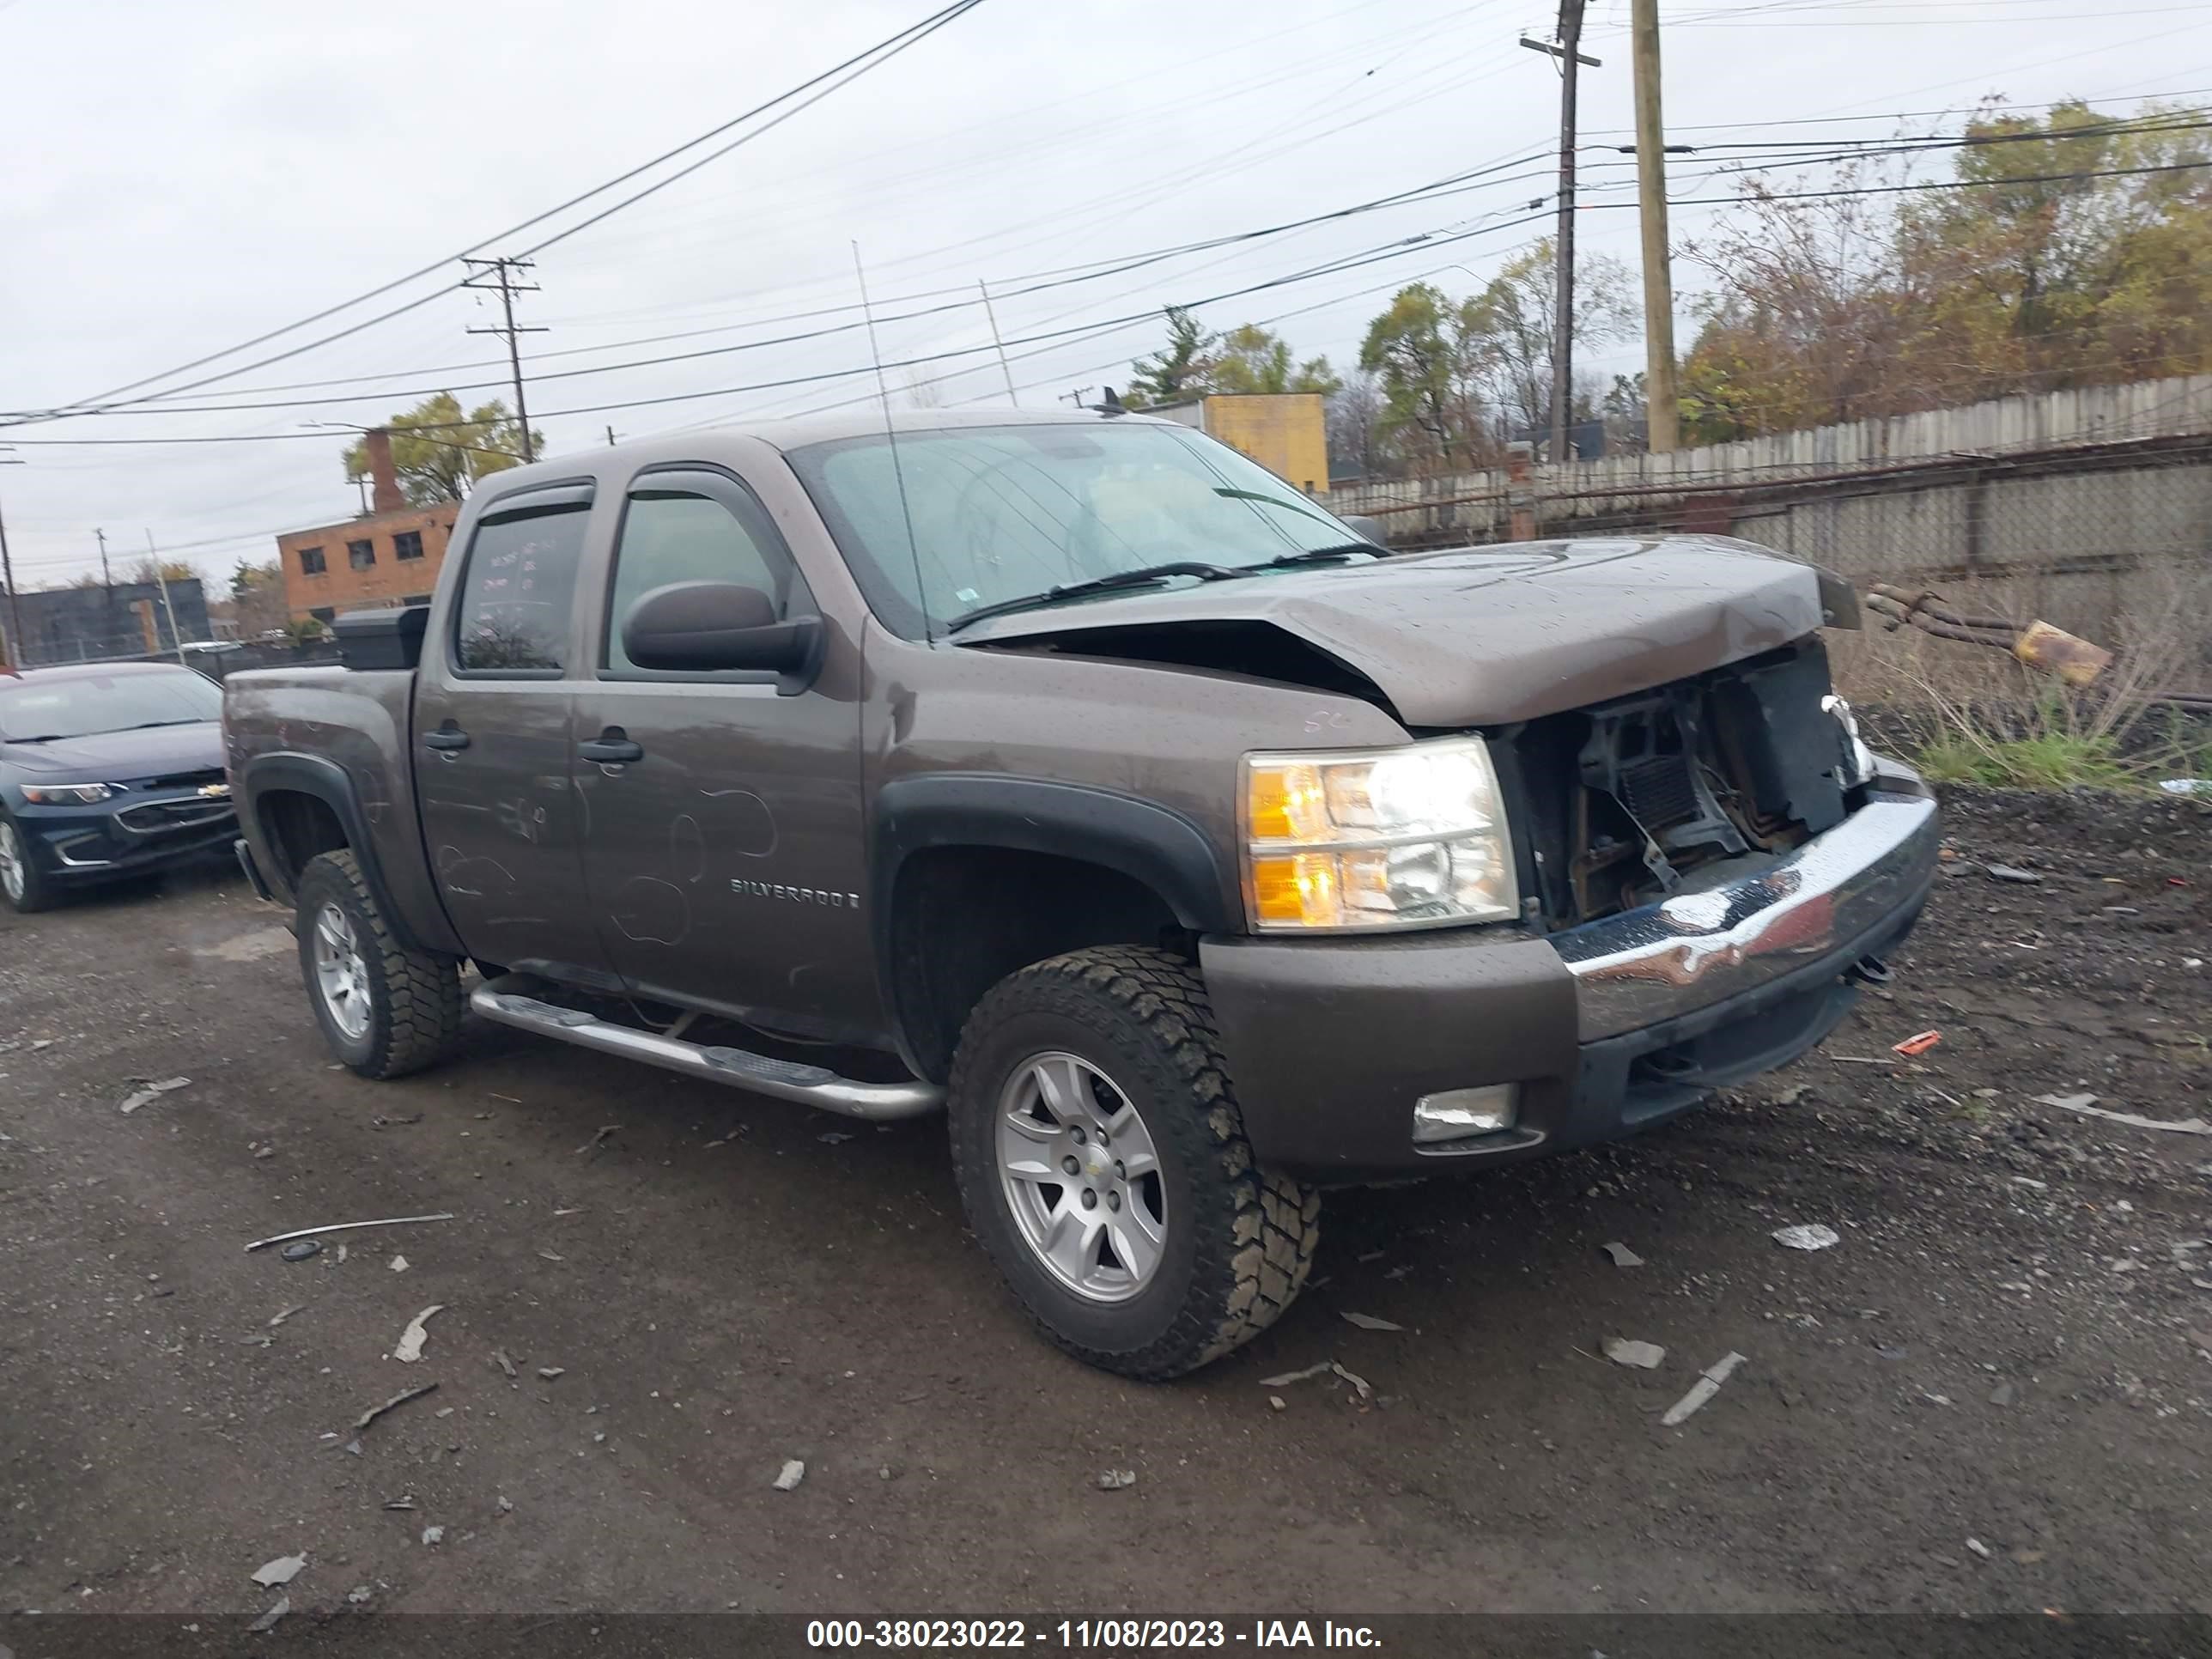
(399, 1398)
(359, 1593)
(405, 1502)
(1626, 1350)
(832, 1138)
(793, 1473)
(298, 1307)
(598, 1140)
(398, 1264)
(411, 1340)
(548, 1255)
(507, 1506)
(1278, 1402)
(1289, 1378)
(153, 1092)
(1359, 1384)
(1788, 1096)
(1917, 1044)
(433, 1535)
(548, 1373)
(1622, 1255)
(351, 1449)
(267, 1621)
(499, 1359)
(2082, 1104)
(1116, 1480)
(283, 1570)
(1979, 1547)
(300, 1249)
(2001, 1394)
(2186, 786)
(568, 1213)
(2012, 872)
(269, 1151)
(1370, 1322)
(1707, 1385)
(343, 1227)
(1810, 1235)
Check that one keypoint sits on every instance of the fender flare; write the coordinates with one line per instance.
(326, 781)
(1140, 839)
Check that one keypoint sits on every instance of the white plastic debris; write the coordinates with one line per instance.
(2084, 1105)
(1359, 1384)
(1370, 1322)
(2011, 872)
(267, 1621)
(1811, 1236)
(1116, 1480)
(793, 1473)
(411, 1340)
(2186, 786)
(433, 1535)
(1625, 1351)
(399, 1264)
(153, 1092)
(1707, 1385)
(1622, 1255)
(1979, 1547)
(1289, 1378)
(283, 1570)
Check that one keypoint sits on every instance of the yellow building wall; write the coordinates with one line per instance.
(1283, 431)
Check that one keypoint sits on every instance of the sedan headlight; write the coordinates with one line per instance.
(1413, 836)
(67, 794)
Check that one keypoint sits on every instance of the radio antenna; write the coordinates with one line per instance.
(890, 437)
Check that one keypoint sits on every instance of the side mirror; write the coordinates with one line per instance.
(705, 627)
(1371, 528)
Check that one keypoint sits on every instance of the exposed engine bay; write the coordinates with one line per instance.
(1626, 801)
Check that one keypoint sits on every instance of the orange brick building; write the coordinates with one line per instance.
(389, 555)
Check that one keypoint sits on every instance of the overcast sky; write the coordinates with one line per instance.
(182, 176)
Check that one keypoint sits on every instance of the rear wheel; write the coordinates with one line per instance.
(1103, 1163)
(385, 1010)
(23, 883)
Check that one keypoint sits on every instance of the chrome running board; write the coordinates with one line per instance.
(786, 1079)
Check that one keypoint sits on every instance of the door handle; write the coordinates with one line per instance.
(446, 737)
(611, 747)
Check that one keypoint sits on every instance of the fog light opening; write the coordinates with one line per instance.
(1459, 1114)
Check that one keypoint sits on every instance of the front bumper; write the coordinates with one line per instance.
(128, 835)
(1605, 1028)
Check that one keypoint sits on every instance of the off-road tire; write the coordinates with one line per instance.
(415, 996)
(1240, 1240)
(39, 892)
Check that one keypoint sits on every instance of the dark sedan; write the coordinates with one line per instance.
(107, 770)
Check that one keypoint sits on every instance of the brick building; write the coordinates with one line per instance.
(389, 555)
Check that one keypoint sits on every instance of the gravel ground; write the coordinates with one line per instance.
(1993, 1394)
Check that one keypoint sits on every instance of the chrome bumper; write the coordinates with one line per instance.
(1693, 950)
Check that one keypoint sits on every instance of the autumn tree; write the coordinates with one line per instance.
(1414, 351)
(1163, 377)
(439, 452)
(256, 598)
(1250, 358)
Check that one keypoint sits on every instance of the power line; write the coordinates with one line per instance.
(501, 274)
(876, 56)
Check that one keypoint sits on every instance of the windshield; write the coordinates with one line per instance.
(1005, 512)
(77, 708)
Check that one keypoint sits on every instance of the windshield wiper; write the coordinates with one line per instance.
(1145, 576)
(148, 725)
(1343, 553)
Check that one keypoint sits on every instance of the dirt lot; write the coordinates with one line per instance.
(1994, 1394)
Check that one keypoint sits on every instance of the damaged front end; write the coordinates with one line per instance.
(1631, 801)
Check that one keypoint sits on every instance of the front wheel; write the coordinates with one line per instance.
(22, 883)
(385, 1010)
(1102, 1164)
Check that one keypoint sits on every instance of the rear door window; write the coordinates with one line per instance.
(518, 590)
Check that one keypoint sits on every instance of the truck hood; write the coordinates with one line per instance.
(1474, 636)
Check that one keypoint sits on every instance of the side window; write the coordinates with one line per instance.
(674, 534)
(517, 590)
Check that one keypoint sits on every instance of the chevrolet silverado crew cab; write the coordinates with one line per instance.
(1075, 776)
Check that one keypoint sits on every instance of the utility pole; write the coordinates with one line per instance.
(1570, 58)
(14, 643)
(1077, 396)
(105, 579)
(501, 274)
(1661, 401)
(984, 289)
(176, 633)
(611, 436)
(107, 591)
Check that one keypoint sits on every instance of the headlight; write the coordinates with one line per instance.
(67, 794)
(1406, 837)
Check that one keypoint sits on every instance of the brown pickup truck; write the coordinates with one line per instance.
(1075, 776)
